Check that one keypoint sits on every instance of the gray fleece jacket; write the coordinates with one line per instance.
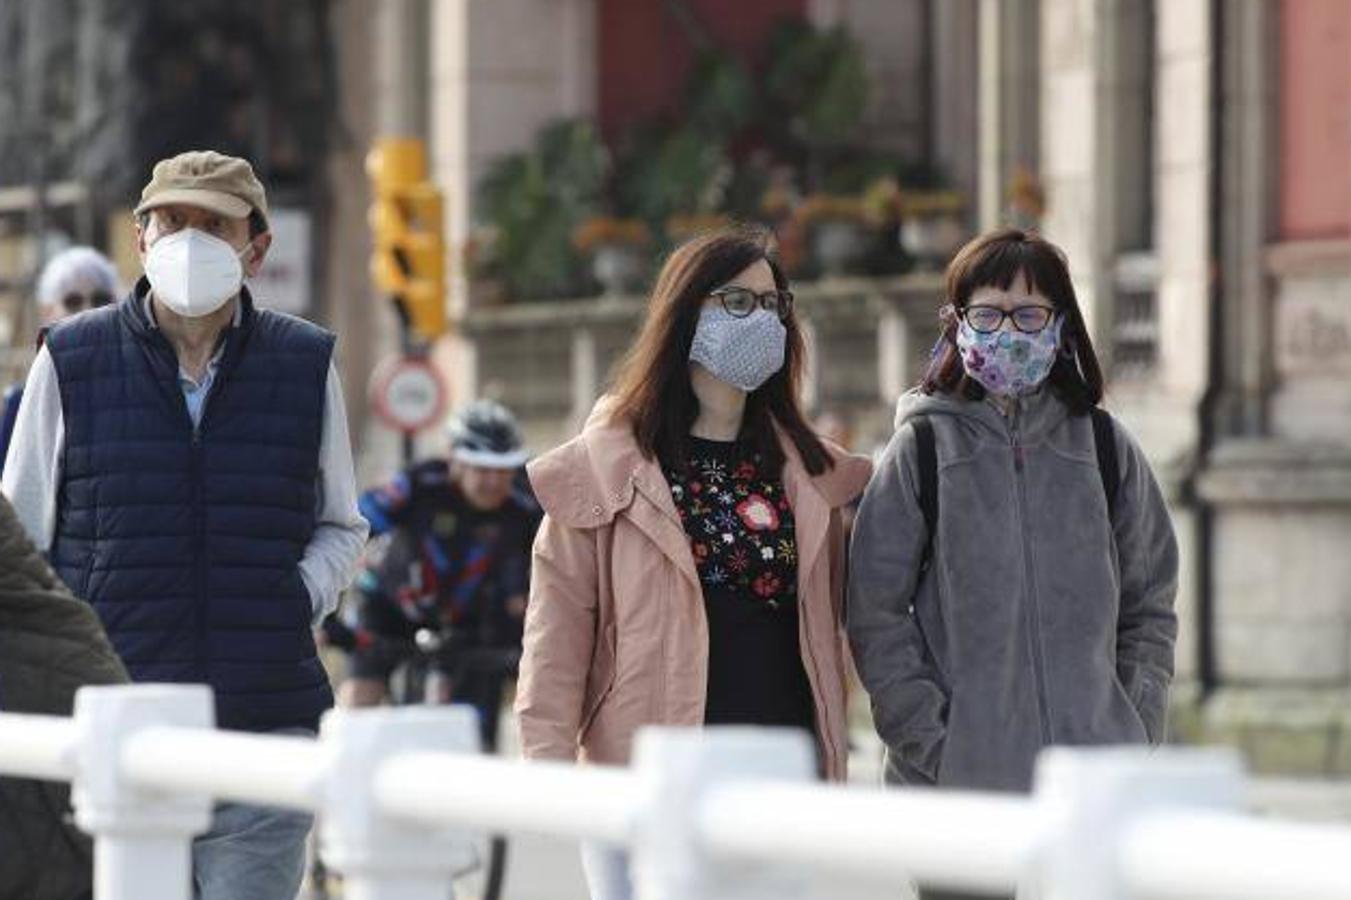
(1038, 622)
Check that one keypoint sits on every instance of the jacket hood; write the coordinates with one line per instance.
(1036, 413)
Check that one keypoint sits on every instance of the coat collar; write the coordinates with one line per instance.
(592, 478)
(588, 480)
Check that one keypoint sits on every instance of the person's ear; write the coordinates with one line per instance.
(141, 246)
(257, 252)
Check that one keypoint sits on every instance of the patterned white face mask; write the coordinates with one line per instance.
(1009, 363)
(745, 351)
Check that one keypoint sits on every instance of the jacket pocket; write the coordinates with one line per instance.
(920, 762)
(295, 597)
(603, 672)
(1149, 700)
(1137, 716)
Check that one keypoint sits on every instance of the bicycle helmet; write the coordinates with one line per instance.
(485, 433)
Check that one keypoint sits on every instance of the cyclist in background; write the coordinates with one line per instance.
(450, 550)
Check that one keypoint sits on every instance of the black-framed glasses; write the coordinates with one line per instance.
(989, 319)
(741, 302)
(76, 301)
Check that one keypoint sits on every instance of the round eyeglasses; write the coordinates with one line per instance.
(989, 319)
(741, 302)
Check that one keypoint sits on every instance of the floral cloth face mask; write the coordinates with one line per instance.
(1007, 362)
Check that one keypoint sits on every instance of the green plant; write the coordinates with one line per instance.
(818, 208)
(533, 203)
(817, 80)
(720, 96)
(670, 172)
(930, 202)
(599, 231)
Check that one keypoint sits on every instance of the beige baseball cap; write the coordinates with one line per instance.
(205, 178)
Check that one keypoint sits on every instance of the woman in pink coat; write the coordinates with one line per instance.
(690, 566)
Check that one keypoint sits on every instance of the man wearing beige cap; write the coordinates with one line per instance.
(182, 456)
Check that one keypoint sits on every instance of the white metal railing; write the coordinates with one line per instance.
(719, 814)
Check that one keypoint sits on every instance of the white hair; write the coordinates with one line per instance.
(76, 270)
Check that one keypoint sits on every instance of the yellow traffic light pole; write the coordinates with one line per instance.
(408, 226)
(407, 220)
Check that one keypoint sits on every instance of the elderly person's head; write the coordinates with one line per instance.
(74, 280)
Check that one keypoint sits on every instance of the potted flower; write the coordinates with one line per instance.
(616, 247)
(680, 227)
(478, 262)
(839, 230)
(931, 225)
(1025, 199)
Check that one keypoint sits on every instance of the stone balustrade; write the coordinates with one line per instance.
(869, 339)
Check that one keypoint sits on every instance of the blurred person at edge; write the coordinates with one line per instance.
(1040, 611)
(450, 549)
(183, 458)
(76, 279)
(692, 544)
(51, 645)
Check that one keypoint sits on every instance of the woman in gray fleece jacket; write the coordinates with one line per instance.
(1031, 616)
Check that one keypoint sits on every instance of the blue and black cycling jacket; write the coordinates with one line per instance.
(439, 560)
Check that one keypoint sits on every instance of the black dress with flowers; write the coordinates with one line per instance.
(741, 533)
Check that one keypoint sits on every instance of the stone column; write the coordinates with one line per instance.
(1009, 35)
(954, 93)
(1247, 157)
(1163, 408)
(1182, 229)
(1078, 207)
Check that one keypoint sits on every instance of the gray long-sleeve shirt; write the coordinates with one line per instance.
(32, 478)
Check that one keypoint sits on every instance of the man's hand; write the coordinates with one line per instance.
(515, 606)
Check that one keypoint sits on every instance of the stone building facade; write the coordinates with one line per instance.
(1198, 167)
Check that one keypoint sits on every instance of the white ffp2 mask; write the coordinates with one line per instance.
(193, 273)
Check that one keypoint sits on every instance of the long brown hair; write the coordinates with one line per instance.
(996, 259)
(651, 386)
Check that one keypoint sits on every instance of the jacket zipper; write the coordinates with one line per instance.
(1029, 571)
(199, 551)
(198, 505)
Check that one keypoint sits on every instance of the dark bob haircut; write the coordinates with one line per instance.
(996, 259)
(651, 387)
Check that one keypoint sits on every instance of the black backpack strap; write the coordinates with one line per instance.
(927, 456)
(1104, 438)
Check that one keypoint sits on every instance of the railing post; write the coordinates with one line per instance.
(1090, 797)
(677, 768)
(378, 857)
(142, 839)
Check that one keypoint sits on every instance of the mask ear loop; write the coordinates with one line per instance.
(947, 329)
(1069, 347)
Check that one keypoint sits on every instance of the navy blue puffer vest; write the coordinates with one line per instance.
(186, 541)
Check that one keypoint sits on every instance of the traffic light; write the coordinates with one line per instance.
(408, 225)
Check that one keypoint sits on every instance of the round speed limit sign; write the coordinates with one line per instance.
(407, 393)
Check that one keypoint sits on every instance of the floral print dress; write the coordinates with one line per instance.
(740, 527)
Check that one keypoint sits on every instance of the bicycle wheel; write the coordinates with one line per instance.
(487, 880)
(318, 875)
